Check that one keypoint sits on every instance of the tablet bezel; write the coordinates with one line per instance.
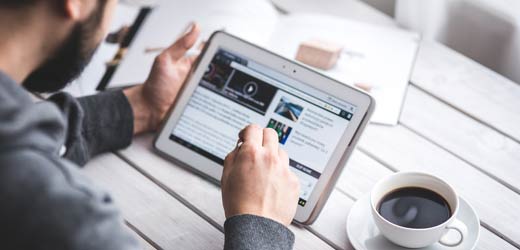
(220, 40)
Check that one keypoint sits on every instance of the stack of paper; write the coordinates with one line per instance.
(379, 57)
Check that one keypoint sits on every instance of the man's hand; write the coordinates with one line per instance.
(257, 180)
(151, 101)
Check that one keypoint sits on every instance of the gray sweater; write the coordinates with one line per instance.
(45, 201)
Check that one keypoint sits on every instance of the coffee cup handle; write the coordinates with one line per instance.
(460, 228)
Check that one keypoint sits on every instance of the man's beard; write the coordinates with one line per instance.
(69, 60)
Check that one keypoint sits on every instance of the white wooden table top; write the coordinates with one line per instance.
(460, 121)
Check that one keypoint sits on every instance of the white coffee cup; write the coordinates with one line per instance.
(418, 237)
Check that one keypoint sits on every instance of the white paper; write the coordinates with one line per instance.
(252, 20)
(379, 56)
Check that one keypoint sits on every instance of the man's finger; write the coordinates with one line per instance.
(192, 59)
(228, 163)
(252, 135)
(283, 156)
(201, 45)
(270, 139)
(184, 43)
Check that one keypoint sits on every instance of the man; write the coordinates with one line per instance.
(45, 202)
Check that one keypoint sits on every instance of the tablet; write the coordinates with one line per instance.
(234, 84)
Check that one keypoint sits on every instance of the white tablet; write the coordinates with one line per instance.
(234, 84)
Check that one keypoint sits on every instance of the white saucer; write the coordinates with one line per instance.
(364, 235)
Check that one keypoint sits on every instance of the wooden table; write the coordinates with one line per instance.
(461, 121)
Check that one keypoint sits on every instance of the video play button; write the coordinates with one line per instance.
(250, 89)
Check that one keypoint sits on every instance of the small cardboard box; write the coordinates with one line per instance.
(320, 54)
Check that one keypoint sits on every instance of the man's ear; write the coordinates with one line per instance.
(73, 9)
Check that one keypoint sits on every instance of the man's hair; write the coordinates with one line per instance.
(15, 3)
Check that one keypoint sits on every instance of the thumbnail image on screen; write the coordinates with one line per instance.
(288, 109)
(282, 130)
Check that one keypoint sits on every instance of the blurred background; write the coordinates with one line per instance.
(486, 31)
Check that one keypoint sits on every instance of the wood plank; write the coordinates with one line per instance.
(332, 221)
(360, 174)
(469, 86)
(490, 241)
(144, 244)
(483, 147)
(163, 219)
(195, 190)
(400, 149)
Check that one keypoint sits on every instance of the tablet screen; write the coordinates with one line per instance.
(235, 92)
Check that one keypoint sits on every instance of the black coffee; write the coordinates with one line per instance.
(414, 207)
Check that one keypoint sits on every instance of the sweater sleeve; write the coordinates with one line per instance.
(48, 204)
(254, 232)
(96, 124)
(45, 200)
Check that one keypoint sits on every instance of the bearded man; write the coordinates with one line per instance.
(45, 201)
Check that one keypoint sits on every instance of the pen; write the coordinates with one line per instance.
(191, 52)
